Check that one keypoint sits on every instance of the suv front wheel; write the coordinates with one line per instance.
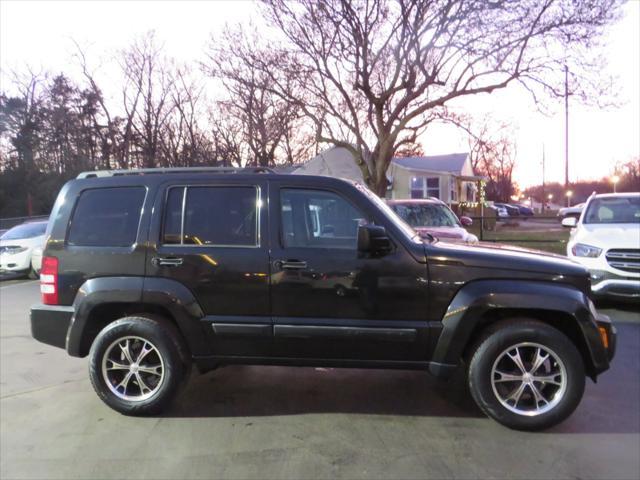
(138, 364)
(526, 374)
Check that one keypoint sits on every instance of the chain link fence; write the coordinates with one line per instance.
(539, 232)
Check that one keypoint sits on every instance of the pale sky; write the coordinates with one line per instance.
(39, 33)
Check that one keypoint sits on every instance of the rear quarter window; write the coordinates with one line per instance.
(107, 217)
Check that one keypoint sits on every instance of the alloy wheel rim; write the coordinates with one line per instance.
(529, 379)
(133, 368)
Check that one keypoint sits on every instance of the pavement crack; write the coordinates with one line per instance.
(26, 392)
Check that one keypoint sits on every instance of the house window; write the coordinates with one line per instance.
(423, 187)
(454, 190)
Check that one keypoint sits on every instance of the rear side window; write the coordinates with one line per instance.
(216, 215)
(107, 217)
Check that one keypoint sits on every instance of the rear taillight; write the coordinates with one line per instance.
(49, 280)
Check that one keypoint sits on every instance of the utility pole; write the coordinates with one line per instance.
(566, 130)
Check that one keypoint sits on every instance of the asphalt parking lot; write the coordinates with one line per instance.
(276, 422)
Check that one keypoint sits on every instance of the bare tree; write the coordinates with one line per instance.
(492, 153)
(20, 119)
(184, 141)
(227, 136)
(105, 124)
(146, 98)
(376, 72)
(272, 124)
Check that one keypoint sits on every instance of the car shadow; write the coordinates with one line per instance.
(245, 391)
(250, 391)
(6, 276)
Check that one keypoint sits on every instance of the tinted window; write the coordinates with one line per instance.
(173, 216)
(26, 230)
(312, 218)
(223, 216)
(107, 217)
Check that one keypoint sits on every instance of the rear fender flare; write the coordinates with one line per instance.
(164, 293)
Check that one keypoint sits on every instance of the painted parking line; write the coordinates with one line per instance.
(21, 284)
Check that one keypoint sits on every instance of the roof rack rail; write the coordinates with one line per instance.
(151, 171)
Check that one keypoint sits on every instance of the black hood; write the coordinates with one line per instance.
(504, 257)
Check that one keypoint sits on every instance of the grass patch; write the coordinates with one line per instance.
(553, 240)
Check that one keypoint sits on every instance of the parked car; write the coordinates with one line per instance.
(524, 210)
(500, 212)
(606, 240)
(512, 210)
(17, 245)
(433, 217)
(574, 211)
(149, 271)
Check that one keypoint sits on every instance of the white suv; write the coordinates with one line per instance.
(606, 240)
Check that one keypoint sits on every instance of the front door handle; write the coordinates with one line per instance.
(166, 261)
(290, 264)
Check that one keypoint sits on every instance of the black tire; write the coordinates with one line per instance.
(169, 350)
(33, 275)
(500, 338)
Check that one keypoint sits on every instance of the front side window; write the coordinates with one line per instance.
(107, 217)
(315, 218)
(211, 215)
(613, 210)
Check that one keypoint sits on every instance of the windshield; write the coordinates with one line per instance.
(426, 215)
(26, 230)
(391, 216)
(613, 210)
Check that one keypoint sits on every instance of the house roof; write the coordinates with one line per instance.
(452, 162)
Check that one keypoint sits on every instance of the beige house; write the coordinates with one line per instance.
(447, 177)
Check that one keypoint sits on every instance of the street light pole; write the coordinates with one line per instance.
(615, 179)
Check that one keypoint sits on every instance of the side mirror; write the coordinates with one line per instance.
(466, 221)
(569, 222)
(373, 239)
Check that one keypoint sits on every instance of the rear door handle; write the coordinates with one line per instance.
(290, 264)
(166, 261)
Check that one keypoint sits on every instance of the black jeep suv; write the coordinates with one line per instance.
(149, 271)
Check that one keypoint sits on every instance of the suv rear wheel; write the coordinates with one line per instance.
(138, 364)
(526, 374)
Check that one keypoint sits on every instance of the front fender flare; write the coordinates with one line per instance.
(468, 308)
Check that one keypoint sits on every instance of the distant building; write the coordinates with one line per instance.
(333, 162)
(447, 177)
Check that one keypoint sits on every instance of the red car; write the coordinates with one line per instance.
(432, 216)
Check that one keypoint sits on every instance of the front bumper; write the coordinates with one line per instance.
(15, 263)
(49, 324)
(624, 289)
